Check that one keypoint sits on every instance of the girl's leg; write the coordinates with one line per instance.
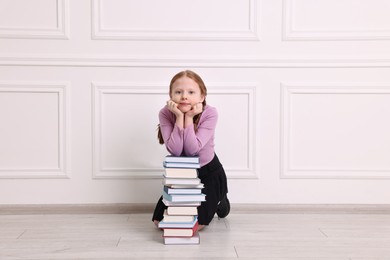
(214, 179)
(207, 209)
(158, 213)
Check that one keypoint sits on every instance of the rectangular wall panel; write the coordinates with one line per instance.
(125, 122)
(335, 131)
(33, 130)
(175, 20)
(336, 20)
(22, 19)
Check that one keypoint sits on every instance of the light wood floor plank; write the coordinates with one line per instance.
(245, 236)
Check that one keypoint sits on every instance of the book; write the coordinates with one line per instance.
(182, 159)
(177, 218)
(194, 240)
(181, 165)
(169, 190)
(181, 181)
(180, 173)
(162, 224)
(186, 186)
(180, 232)
(181, 203)
(182, 210)
(184, 197)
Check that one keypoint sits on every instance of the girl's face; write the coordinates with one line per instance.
(186, 93)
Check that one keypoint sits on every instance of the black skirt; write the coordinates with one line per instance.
(213, 176)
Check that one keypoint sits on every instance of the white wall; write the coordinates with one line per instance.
(302, 88)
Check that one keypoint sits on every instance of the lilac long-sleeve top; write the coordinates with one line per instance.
(187, 142)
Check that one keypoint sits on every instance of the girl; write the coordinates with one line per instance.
(187, 127)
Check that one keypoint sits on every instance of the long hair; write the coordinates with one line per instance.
(203, 90)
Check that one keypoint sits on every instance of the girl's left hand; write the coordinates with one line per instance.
(195, 110)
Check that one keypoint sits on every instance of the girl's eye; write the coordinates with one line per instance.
(192, 92)
(177, 92)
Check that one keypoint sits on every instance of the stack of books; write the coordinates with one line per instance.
(182, 194)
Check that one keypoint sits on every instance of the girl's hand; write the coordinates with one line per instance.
(172, 106)
(196, 109)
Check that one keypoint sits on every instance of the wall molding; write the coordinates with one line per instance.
(77, 60)
(291, 33)
(100, 33)
(289, 89)
(236, 208)
(60, 88)
(99, 89)
(61, 31)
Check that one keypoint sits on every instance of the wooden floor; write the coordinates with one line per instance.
(245, 236)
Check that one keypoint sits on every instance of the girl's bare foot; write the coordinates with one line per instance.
(200, 227)
(156, 222)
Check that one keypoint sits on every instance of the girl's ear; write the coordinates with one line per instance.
(202, 99)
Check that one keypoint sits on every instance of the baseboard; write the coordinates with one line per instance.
(114, 208)
(312, 208)
(239, 208)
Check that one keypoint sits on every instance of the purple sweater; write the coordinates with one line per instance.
(187, 142)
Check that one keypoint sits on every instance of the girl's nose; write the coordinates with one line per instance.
(184, 96)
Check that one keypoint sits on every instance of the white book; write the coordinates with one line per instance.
(182, 191)
(180, 173)
(194, 240)
(182, 210)
(181, 204)
(177, 218)
(181, 181)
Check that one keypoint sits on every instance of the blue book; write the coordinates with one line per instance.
(191, 224)
(169, 190)
(182, 159)
(184, 197)
(181, 165)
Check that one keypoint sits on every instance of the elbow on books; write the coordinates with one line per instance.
(174, 152)
(192, 152)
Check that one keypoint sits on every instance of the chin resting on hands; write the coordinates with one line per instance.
(173, 107)
(195, 110)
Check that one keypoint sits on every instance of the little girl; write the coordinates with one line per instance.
(187, 127)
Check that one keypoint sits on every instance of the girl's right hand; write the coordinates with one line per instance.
(172, 106)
